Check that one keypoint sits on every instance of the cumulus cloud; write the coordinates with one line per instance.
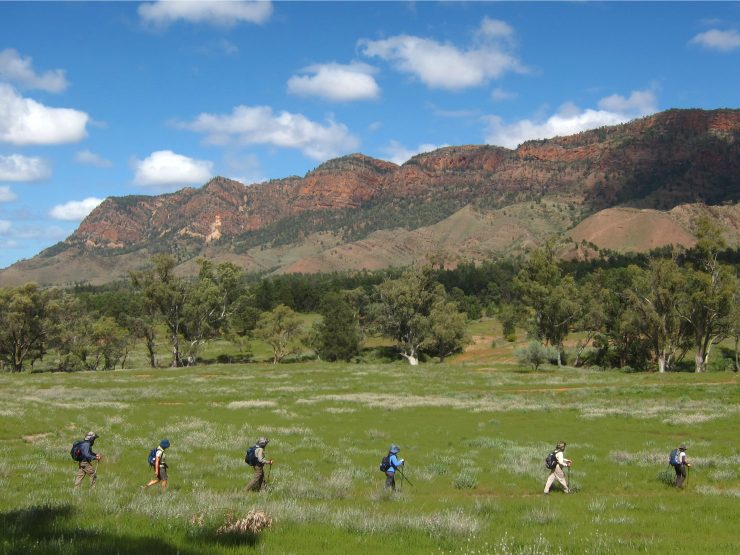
(398, 154)
(19, 70)
(23, 121)
(724, 41)
(259, 125)
(165, 169)
(444, 65)
(6, 195)
(214, 12)
(92, 159)
(338, 82)
(5, 227)
(16, 167)
(570, 119)
(74, 210)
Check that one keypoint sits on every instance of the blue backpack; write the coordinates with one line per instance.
(675, 458)
(76, 451)
(250, 458)
(151, 459)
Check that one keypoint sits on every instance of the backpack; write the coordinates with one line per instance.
(675, 458)
(250, 458)
(551, 461)
(385, 463)
(76, 451)
(152, 457)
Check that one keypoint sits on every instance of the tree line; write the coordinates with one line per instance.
(640, 312)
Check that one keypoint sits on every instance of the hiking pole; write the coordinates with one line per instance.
(404, 478)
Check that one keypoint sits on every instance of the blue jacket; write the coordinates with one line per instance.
(394, 463)
(86, 452)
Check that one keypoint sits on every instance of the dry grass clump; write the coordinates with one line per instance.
(253, 523)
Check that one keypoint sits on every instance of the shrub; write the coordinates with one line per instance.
(535, 354)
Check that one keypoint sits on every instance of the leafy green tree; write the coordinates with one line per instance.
(404, 310)
(707, 301)
(337, 335)
(551, 298)
(209, 303)
(110, 343)
(535, 354)
(447, 331)
(282, 330)
(654, 298)
(27, 316)
(167, 294)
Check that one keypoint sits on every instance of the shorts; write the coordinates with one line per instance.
(162, 472)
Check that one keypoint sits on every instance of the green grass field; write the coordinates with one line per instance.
(474, 436)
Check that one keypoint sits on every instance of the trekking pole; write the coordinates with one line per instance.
(567, 481)
(687, 474)
(404, 477)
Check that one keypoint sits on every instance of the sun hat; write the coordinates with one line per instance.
(263, 441)
(164, 444)
(90, 435)
(394, 449)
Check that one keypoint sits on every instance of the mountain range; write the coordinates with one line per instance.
(630, 187)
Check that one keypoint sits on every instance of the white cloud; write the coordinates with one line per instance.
(570, 119)
(259, 125)
(92, 159)
(16, 167)
(336, 82)
(214, 12)
(724, 41)
(6, 195)
(445, 66)
(398, 154)
(499, 95)
(23, 121)
(74, 210)
(164, 169)
(5, 227)
(18, 70)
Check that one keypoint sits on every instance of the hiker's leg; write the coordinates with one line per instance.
(80, 476)
(256, 482)
(561, 478)
(550, 480)
(390, 480)
(163, 477)
(681, 477)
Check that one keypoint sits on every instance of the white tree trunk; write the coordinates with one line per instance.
(413, 361)
(661, 364)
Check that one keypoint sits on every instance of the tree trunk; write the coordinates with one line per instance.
(700, 362)
(661, 364)
(737, 365)
(413, 361)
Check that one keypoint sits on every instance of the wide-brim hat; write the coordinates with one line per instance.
(682, 448)
(90, 435)
(394, 449)
(263, 441)
(164, 444)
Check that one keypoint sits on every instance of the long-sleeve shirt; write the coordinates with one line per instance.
(395, 462)
(86, 452)
(259, 454)
(562, 461)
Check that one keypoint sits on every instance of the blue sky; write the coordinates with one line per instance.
(119, 98)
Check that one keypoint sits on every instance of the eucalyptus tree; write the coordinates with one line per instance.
(282, 330)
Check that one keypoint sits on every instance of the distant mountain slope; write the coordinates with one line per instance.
(468, 201)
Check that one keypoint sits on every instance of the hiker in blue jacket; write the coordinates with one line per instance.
(395, 462)
(86, 457)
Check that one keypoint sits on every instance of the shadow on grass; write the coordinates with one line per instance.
(52, 529)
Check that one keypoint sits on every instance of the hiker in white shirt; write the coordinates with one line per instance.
(557, 472)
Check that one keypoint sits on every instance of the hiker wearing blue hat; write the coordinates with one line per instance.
(156, 460)
(389, 464)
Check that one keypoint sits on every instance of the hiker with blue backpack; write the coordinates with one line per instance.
(156, 460)
(82, 453)
(555, 462)
(389, 464)
(680, 464)
(255, 458)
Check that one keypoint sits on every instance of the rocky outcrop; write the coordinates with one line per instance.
(658, 162)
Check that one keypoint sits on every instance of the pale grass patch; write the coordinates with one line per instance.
(253, 523)
(712, 490)
(339, 410)
(250, 404)
(510, 546)
(285, 413)
(541, 515)
(641, 458)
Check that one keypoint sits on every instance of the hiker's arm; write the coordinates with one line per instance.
(157, 460)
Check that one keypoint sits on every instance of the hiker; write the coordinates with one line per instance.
(393, 463)
(556, 472)
(160, 466)
(680, 464)
(85, 458)
(259, 462)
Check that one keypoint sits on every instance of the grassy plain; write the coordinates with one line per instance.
(474, 436)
